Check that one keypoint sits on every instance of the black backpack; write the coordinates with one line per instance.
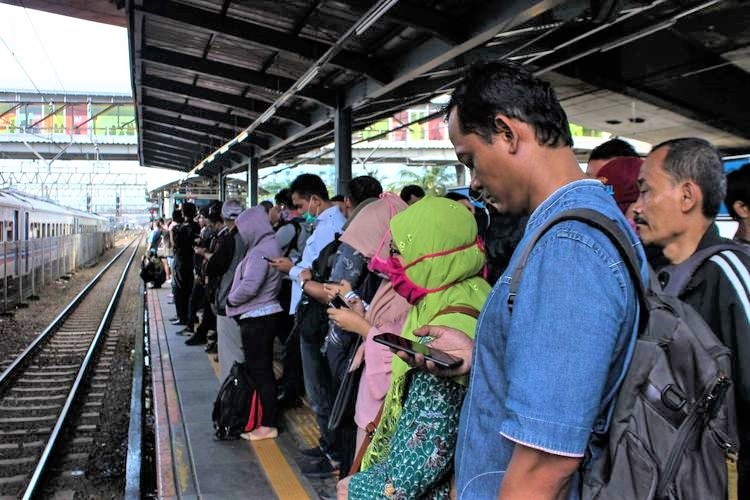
(237, 408)
(673, 425)
(311, 320)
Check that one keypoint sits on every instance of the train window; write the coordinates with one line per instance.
(9, 231)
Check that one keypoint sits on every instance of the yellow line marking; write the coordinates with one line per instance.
(280, 475)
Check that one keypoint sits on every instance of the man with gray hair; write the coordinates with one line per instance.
(682, 185)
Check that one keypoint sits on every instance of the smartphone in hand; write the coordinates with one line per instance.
(440, 358)
(267, 259)
(338, 303)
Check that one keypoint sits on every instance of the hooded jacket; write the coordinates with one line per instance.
(256, 284)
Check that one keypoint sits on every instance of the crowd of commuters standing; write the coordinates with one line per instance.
(517, 417)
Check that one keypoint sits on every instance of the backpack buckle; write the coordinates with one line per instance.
(511, 300)
(672, 398)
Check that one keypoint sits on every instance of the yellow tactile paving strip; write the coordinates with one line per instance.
(280, 475)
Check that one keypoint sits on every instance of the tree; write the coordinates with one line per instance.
(434, 180)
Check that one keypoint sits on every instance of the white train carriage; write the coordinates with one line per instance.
(41, 223)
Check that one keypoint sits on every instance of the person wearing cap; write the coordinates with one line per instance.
(222, 260)
(620, 177)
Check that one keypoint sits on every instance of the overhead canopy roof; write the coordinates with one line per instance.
(204, 70)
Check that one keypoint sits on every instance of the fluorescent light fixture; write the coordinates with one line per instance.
(267, 114)
(639, 35)
(374, 15)
(224, 148)
(307, 78)
(244, 135)
(211, 158)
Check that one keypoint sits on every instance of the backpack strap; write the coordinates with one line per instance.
(467, 310)
(610, 229)
(678, 276)
(737, 275)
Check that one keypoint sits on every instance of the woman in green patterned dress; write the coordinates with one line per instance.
(435, 263)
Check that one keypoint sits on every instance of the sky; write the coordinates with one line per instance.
(44, 52)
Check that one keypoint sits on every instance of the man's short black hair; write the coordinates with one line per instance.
(307, 185)
(338, 197)
(738, 188)
(267, 205)
(363, 187)
(189, 211)
(214, 212)
(177, 216)
(507, 88)
(613, 148)
(284, 197)
(693, 159)
(411, 190)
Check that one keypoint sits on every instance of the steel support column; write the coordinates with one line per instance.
(222, 187)
(343, 144)
(252, 181)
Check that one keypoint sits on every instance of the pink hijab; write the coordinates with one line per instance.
(369, 232)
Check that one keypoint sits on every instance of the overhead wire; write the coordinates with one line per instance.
(22, 68)
(41, 44)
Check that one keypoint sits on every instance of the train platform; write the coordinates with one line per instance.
(190, 462)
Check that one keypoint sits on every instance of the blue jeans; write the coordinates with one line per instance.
(318, 387)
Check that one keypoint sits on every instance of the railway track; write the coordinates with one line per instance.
(41, 388)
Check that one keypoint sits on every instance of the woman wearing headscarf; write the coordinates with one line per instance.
(435, 264)
(369, 234)
(253, 302)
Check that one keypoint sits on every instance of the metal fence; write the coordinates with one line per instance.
(27, 266)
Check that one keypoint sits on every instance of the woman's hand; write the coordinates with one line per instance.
(449, 340)
(283, 264)
(349, 320)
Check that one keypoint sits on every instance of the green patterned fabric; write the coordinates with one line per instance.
(425, 439)
(432, 225)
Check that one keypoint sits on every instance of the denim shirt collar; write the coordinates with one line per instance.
(542, 212)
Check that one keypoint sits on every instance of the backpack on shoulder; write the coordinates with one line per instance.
(311, 320)
(670, 426)
(237, 407)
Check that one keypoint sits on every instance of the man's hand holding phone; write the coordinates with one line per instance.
(453, 342)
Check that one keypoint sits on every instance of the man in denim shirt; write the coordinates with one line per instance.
(538, 376)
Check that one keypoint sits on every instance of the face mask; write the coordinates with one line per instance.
(310, 218)
(401, 283)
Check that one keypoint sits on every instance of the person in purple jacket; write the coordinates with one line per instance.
(253, 302)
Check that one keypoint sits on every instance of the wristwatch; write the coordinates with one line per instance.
(302, 284)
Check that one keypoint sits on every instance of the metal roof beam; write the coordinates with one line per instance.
(157, 127)
(263, 36)
(234, 122)
(174, 143)
(175, 151)
(434, 22)
(235, 73)
(223, 98)
(496, 17)
(194, 126)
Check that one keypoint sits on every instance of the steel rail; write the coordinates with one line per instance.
(78, 383)
(55, 324)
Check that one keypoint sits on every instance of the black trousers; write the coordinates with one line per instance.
(257, 343)
(196, 303)
(183, 286)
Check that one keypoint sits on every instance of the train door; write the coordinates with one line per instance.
(26, 241)
(16, 229)
(16, 235)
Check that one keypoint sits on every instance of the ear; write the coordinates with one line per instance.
(691, 197)
(507, 132)
(741, 209)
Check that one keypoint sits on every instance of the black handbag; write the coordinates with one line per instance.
(347, 395)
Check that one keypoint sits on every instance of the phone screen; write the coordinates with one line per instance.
(438, 357)
(338, 303)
